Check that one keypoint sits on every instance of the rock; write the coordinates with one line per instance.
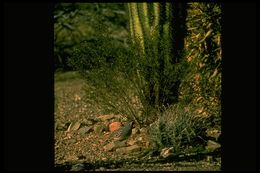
(102, 169)
(74, 126)
(93, 119)
(109, 146)
(77, 97)
(214, 133)
(131, 141)
(84, 130)
(211, 145)
(104, 158)
(147, 144)
(87, 122)
(209, 158)
(119, 144)
(61, 127)
(70, 158)
(140, 139)
(99, 128)
(67, 125)
(135, 131)
(114, 126)
(77, 167)
(72, 141)
(113, 145)
(166, 152)
(130, 149)
(106, 117)
(143, 130)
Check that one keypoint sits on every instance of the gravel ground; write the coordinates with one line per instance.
(74, 148)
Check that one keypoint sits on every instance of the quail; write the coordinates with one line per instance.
(122, 133)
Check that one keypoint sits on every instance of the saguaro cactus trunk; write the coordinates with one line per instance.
(158, 29)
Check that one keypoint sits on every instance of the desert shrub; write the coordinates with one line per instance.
(109, 69)
(179, 128)
(201, 84)
(120, 79)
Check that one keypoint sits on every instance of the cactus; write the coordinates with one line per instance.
(153, 27)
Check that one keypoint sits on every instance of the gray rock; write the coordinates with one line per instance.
(74, 126)
(72, 141)
(77, 167)
(131, 141)
(84, 130)
(211, 145)
(93, 119)
(60, 126)
(135, 131)
(143, 130)
(87, 122)
(99, 128)
(114, 145)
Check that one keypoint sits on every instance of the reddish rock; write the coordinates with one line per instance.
(114, 126)
(109, 146)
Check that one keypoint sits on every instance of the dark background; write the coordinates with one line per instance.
(29, 82)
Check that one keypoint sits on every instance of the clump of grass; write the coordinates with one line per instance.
(113, 93)
(108, 67)
(179, 128)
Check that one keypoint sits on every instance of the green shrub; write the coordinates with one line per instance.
(120, 79)
(179, 128)
(108, 68)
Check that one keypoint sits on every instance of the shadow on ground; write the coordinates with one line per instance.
(129, 164)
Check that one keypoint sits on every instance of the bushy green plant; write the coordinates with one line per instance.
(179, 128)
(108, 68)
(121, 79)
(75, 22)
